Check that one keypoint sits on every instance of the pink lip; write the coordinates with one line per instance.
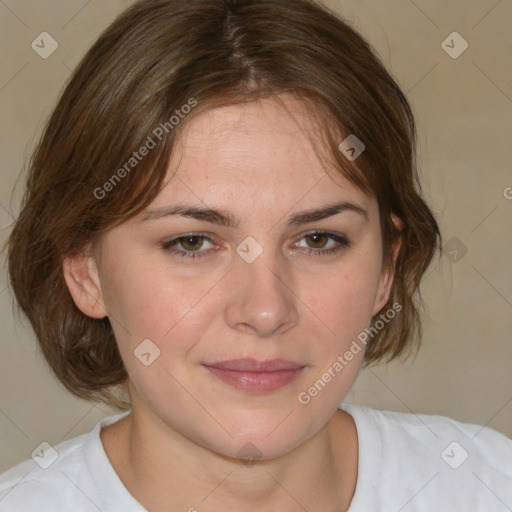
(255, 376)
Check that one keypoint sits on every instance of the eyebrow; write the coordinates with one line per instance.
(224, 218)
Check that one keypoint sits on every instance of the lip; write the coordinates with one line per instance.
(255, 376)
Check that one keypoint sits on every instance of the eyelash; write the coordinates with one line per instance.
(171, 244)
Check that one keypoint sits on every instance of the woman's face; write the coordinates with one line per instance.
(277, 283)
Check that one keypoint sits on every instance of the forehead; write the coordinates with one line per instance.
(265, 151)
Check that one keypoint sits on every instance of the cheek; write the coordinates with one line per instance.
(155, 302)
(344, 299)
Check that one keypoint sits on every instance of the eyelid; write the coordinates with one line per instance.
(328, 232)
(199, 234)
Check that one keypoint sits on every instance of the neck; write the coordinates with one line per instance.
(159, 467)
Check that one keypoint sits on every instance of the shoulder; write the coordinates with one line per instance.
(417, 430)
(67, 476)
(439, 455)
(33, 483)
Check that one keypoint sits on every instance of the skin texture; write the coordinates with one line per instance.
(180, 446)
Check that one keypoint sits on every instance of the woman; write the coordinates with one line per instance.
(222, 224)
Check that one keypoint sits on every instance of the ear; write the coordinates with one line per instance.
(387, 276)
(82, 277)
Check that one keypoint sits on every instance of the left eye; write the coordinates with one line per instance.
(320, 243)
(318, 240)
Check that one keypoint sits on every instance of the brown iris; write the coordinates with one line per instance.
(319, 240)
(192, 243)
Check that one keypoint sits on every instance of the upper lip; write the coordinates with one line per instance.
(253, 365)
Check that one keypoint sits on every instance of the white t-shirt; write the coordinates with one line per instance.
(407, 462)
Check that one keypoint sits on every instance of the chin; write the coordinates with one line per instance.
(261, 438)
(250, 450)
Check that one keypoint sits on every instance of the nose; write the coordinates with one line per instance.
(262, 302)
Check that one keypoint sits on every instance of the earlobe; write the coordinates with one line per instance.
(82, 278)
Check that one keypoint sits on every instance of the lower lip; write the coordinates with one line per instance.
(256, 382)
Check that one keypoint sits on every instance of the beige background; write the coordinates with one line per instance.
(464, 112)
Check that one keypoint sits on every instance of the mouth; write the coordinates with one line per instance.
(256, 376)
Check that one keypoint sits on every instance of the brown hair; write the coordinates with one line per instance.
(157, 57)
